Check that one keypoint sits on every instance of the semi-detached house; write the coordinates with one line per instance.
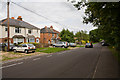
(20, 31)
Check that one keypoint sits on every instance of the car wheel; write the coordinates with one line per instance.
(54, 46)
(63, 46)
(33, 51)
(15, 50)
(26, 51)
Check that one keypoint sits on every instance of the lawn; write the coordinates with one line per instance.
(51, 50)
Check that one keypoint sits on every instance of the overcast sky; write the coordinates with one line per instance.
(61, 12)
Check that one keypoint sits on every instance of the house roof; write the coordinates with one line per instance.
(47, 30)
(17, 23)
(18, 36)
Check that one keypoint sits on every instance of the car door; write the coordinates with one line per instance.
(24, 46)
(19, 47)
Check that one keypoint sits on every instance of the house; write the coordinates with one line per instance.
(49, 35)
(20, 31)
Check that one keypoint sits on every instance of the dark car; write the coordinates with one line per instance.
(105, 44)
(89, 45)
(11, 46)
(3, 45)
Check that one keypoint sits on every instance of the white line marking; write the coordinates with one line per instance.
(11, 65)
(49, 56)
(36, 59)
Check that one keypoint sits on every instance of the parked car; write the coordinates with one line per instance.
(89, 45)
(105, 44)
(61, 44)
(72, 44)
(11, 46)
(25, 48)
(2, 47)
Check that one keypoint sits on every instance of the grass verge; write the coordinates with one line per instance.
(80, 46)
(115, 53)
(51, 50)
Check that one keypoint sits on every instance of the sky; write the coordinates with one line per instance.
(60, 14)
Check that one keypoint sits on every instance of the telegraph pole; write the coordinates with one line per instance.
(8, 23)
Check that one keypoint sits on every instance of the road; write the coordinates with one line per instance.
(97, 62)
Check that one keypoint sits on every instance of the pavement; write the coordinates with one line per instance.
(97, 62)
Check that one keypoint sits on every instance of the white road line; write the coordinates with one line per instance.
(49, 56)
(36, 59)
(11, 65)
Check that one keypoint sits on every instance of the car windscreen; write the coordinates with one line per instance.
(87, 43)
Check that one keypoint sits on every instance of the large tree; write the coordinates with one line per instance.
(82, 35)
(66, 35)
(106, 16)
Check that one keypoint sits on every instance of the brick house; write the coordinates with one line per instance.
(20, 31)
(49, 35)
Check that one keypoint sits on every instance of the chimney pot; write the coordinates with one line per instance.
(45, 27)
(51, 27)
(12, 18)
(19, 18)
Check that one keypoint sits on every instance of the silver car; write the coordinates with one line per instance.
(61, 44)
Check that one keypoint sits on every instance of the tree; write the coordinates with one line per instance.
(106, 16)
(94, 36)
(66, 35)
(82, 35)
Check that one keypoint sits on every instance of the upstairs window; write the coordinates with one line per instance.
(52, 35)
(17, 30)
(29, 31)
(6, 28)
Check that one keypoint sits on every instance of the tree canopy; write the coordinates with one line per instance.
(106, 16)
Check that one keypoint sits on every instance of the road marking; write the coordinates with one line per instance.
(11, 65)
(36, 59)
(49, 56)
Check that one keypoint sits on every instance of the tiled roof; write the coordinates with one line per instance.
(47, 30)
(17, 23)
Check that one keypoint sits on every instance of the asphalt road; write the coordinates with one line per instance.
(97, 62)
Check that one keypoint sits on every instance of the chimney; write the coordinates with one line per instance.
(51, 27)
(19, 18)
(12, 18)
(45, 27)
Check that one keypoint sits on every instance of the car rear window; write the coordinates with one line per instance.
(31, 45)
(87, 43)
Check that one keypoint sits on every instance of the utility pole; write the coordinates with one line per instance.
(8, 23)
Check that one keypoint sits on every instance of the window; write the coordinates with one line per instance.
(29, 31)
(37, 40)
(6, 28)
(17, 30)
(52, 35)
(31, 40)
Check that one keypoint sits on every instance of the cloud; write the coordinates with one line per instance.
(62, 13)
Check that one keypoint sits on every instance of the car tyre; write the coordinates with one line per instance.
(54, 46)
(63, 46)
(26, 51)
(15, 50)
(33, 51)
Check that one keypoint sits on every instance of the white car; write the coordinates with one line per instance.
(61, 44)
(25, 48)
